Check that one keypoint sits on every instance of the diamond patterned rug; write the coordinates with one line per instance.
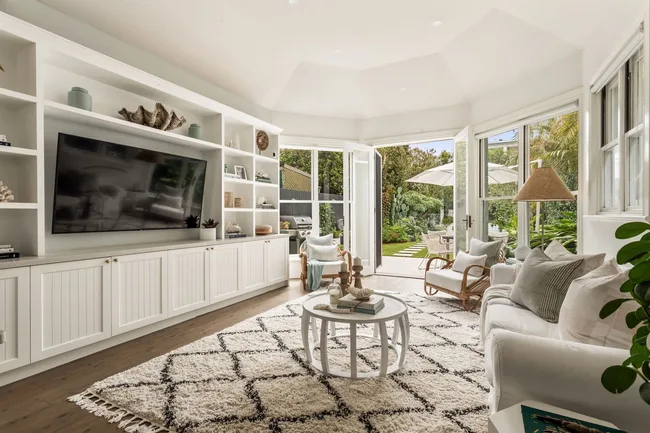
(253, 378)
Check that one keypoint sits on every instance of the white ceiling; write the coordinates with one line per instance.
(354, 58)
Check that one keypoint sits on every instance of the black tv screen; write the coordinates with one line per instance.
(103, 187)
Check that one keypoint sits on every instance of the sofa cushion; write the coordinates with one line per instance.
(332, 268)
(518, 319)
(464, 261)
(323, 253)
(556, 251)
(448, 279)
(542, 283)
(579, 320)
(491, 249)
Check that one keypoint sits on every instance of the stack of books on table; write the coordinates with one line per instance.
(7, 252)
(371, 306)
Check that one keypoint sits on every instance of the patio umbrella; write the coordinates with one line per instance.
(443, 175)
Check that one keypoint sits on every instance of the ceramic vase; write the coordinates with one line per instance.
(79, 97)
(195, 131)
(208, 234)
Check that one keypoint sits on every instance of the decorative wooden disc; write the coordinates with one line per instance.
(262, 140)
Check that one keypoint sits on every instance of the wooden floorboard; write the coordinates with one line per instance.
(38, 403)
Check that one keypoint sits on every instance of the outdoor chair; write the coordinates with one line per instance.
(330, 269)
(462, 285)
(435, 247)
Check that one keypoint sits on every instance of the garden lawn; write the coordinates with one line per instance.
(392, 249)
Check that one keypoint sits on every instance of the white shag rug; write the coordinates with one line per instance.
(253, 378)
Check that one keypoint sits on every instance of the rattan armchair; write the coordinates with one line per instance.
(463, 287)
(343, 256)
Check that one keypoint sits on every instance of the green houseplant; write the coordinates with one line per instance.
(620, 378)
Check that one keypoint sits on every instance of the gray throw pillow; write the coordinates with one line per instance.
(542, 284)
(556, 251)
(490, 249)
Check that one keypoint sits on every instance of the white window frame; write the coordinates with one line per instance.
(634, 129)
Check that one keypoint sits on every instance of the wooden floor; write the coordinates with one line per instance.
(38, 403)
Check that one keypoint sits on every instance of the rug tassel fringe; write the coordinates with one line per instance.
(127, 421)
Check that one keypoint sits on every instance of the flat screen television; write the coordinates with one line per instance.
(104, 187)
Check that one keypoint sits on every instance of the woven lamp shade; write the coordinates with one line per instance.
(544, 185)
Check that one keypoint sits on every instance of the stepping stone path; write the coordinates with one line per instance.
(411, 251)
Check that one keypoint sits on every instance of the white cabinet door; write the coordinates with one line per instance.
(253, 267)
(139, 290)
(14, 318)
(277, 261)
(70, 306)
(188, 283)
(225, 272)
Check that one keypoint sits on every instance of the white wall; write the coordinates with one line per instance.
(556, 79)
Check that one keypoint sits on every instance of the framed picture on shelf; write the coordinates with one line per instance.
(240, 170)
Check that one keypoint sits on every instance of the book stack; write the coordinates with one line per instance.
(371, 306)
(235, 235)
(263, 179)
(7, 252)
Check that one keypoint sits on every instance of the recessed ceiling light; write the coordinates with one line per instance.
(436, 24)
(293, 2)
(403, 88)
(338, 50)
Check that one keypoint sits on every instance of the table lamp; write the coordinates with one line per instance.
(544, 185)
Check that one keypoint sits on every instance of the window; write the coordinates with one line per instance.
(622, 114)
(499, 185)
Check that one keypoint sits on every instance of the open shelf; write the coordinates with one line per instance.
(233, 151)
(267, 210)
(18, 205)
(237, 209)
(89, 118)
(266, 158)
(234, 180)
(13, 151)
(268, 185)
(12, 98)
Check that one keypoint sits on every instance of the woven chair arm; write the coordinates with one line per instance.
(346, 256)
(486, 272)
(303, 263)
(448, 263)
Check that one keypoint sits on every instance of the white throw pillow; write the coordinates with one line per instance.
(556, 251)
(323, 253)
(320, 240)
(579, 320)
(464, 260)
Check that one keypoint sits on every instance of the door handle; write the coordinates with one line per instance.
(468, 221)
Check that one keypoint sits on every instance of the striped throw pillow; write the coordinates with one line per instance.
(542, 284)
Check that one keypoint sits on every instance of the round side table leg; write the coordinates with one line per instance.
(396, 331)
(375, 331)
(403, 324)
(314, 330)
(333, 329)
(383, 366)
(323, 347)
(353, 350)
(304, 327)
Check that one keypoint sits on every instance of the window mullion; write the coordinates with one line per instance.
(622, 146)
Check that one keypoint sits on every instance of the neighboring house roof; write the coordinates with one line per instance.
(295, 179)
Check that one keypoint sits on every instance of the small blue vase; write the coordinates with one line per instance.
(79, 97)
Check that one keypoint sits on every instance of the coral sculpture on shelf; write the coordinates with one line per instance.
(6, 195)
(159, 118)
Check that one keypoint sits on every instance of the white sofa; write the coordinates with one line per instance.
(526, 360)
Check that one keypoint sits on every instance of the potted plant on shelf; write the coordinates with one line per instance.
(620, 378)
(192, 221)
(209, 230)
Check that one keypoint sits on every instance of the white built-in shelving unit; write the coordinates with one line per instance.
(40, 68)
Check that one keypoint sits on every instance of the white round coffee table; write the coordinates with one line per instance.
(395, 309)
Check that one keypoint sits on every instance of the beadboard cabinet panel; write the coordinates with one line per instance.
(225, 272)
(189, 282)
(139, 290)
(14, 318)
(253, 267)
(277, 261)
(70, 306)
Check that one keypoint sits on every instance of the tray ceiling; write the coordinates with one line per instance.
(359, 58)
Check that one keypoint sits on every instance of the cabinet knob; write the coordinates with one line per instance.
(212, 248)
(107, 261)
(207, 248)
(115, 259)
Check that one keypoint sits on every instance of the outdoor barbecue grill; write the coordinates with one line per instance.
(299, 229)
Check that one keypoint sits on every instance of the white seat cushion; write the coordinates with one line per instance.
(448, 279)
(330, 268)
(518, 319)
